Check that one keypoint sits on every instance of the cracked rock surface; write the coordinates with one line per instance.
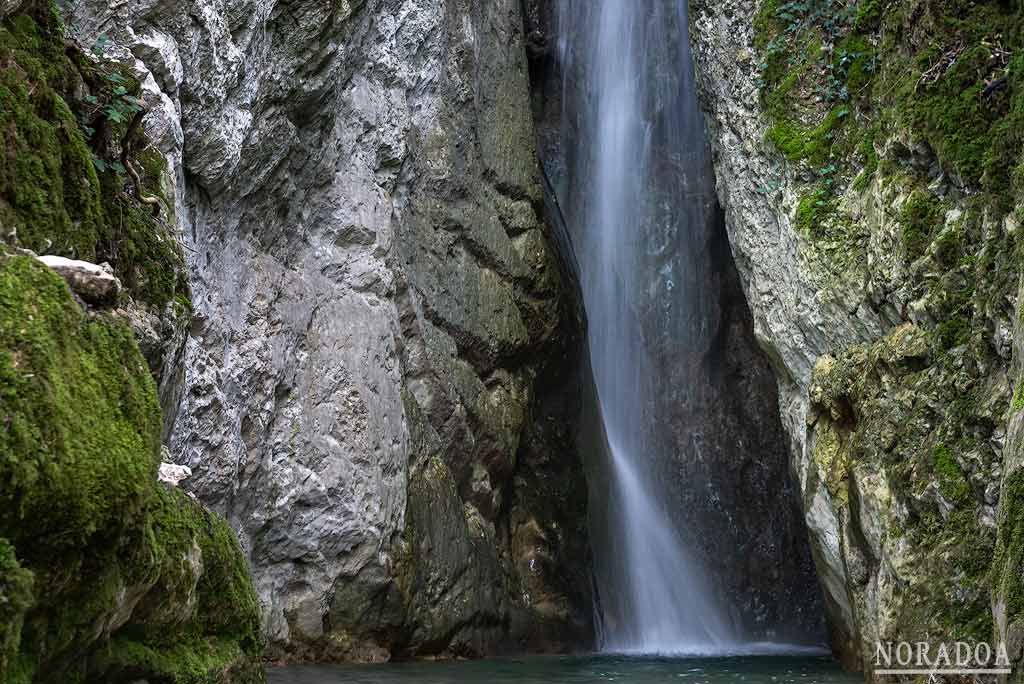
(377, 306)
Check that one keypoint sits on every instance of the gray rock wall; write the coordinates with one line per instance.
(375, 295)
(883, 289)
(792, 323)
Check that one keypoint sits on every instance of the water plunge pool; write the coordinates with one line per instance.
(582, 669)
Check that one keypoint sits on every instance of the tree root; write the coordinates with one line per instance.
(126, 162)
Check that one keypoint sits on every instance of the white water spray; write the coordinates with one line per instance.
(639, 183)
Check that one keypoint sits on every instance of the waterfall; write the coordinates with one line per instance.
(639, 192)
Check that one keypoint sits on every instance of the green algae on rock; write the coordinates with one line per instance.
(63, 186)
(883, 142)
(109, 575)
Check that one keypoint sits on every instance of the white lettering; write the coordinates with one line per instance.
(922, 653)
(883, 651)
(904, 653)
(919, 657)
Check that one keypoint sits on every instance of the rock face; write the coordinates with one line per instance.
(375, 304)
(1007, 606)
(876, 240)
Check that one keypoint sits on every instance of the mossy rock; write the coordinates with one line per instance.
(82, 435)
(1006, 576)
(921, 218)
(894, 407)
(950, 75)
(15, 600)
(213, 661)
(62, 188)
(111, 552)
(200, 622)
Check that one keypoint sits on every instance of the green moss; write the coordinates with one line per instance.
(812, 210)
(79, 455)
(868, 159)
(814, 145)
(805, 214)
(15, 600)
(80, 501)
(790, 138)
(21, 671)
(950, 249)
(953, 332)
(969, 108)
(219, 639)
(952, 484)
(921, 216)
(226, 601)
(212, 661)
(854, 65)
(766, 36)
(1007, 578)
(54, 126)
(83, 421)
(1018, 397)
(869, 15)
(954, 120)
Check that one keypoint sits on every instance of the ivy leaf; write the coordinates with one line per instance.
(100, 165)
(100, 46)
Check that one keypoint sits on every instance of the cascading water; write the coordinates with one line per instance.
(638, 186)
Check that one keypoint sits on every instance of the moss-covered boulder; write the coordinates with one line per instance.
(105, 575)
(109, 576)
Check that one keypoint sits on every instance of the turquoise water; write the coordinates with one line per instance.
(578, 670)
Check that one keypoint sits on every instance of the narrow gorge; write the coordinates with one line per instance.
(367, 331)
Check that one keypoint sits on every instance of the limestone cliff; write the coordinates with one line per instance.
(369, 390)
(867, 157)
